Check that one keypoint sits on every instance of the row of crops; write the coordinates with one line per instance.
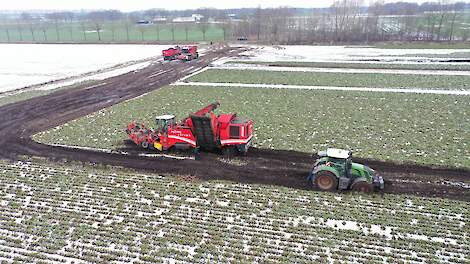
(375, 80)
(70, 213)
(425, 129)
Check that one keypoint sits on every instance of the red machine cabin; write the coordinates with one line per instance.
(188, 53)
(202, 129)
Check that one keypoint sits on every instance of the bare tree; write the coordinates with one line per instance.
(453, 17)
(7, 31)
(98, 18)
(113, 16)
(172, 29)
(345, 13)
(226, 29)
(142, 30)
(29, 19)
(83, 26)
(127, 26)
(19, 27)
(56, 18)
(257, 23)
(276, 22)
(431, 18)
(43, 28)
(374, 12)
(157, 29)
(186, 30)
(444, 8)
(204, 27)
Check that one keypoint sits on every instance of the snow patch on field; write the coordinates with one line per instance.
(99, 76)
(29, 64)
(334, 88)
(339, 53)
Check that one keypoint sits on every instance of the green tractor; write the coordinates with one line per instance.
(334, 170)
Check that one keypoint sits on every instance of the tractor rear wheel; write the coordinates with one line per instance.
(326, 181)
(362, 186)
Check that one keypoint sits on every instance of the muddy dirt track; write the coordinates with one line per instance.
(284, 168)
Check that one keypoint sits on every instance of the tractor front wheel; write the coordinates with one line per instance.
(362, 186)
(326, 181)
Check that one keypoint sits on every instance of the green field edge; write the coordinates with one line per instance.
(352, 65)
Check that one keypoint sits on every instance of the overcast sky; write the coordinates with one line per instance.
(132, 5)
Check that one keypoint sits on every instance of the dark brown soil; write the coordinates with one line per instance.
(272, 167)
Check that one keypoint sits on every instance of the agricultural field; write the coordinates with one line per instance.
(334, 79)
(110, 32)
(425, 129)
(74, 213)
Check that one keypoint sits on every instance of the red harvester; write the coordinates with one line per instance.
(185, 53)
(171, 53)
(202, 130)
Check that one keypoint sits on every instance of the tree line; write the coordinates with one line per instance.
(344, 21)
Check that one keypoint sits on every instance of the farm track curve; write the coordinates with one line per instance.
(273, 167)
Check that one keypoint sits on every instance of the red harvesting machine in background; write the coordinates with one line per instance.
(188, 53)
(201, 130)
(185, 53)
(171, 53)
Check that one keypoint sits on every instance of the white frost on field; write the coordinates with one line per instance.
(333, 88)
(29, 64)
(303, 53)
(99, 76)
(337, 70)
(196, 72)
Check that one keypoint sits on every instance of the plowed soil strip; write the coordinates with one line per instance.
(285, 168)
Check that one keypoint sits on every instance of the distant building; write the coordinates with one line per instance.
(159, 20)
(193, 18)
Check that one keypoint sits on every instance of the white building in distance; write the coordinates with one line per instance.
(192, 18)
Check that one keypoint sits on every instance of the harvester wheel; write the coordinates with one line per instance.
(362, 186)
(229, 152)
(326, 181)
(144, 144)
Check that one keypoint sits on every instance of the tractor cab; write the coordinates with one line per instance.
(338, 158)
(334, 170)
(163, 122)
